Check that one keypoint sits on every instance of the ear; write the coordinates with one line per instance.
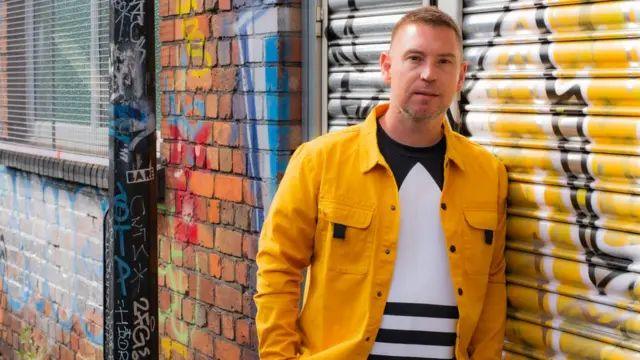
(463, 72)
(385, 67)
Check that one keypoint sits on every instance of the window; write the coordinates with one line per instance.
(54, 76)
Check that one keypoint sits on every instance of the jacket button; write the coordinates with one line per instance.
(443, 206)
(387, 251)
(367, 339)
(452, 248)
(460, 291)
(379, 293)
(393, 208)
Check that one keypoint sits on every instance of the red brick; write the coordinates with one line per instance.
(189, 259)
(178, 30)
(174, 7)
(239, 162)
(181, 81)
(202, 341)
(242, 273)
(164, 300)
(197, 6)
(228, 187)
(177, 178)
(215, 267)
(203, 132)
(165, 250)
(165, 151)
(195, 50)
(225, 158)
(202, 183)
(228, 269)
(211, 105)
(235, 53)
(199, 79)
(213, 321)
(202, 262)
(200, 209)
(163, 7)
(201, 156)
(210, 53)
(201, 288)
(249, 246)
(188, 205)
(167, 30)
(248, 305)
(223, 79)
(228, 330)
(225, 106)
(196, 28)
(213, 214)
(185, 232)
(226, 350)
(243, 217)
(177, 280)
(176, 328)
(66, 353)
(188, 305)
(166, 80)
(205, 235)
(249, 354)
(212, 158)
(225, 133)
(224, 4)
(228, 241)
(248, 192)
(243, 331)
(227, 212)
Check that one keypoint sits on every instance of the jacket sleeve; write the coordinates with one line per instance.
(488, 338)
(284, 250)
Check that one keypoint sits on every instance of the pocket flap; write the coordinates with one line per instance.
(345, 214)
(482, 218)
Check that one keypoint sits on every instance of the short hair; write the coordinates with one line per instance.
(430, 16)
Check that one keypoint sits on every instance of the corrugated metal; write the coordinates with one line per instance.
(357, 31)
(54, 75)
(554, 91)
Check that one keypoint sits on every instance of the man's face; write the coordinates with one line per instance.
(424, 69)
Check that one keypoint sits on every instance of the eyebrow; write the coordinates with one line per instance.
(418, 52)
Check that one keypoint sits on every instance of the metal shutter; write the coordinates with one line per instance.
(355, 34)
(553, 91)
(54, 75)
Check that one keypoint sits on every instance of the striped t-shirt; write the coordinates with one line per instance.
(421, 313)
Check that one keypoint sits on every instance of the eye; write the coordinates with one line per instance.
(414, 58)
(445, 61)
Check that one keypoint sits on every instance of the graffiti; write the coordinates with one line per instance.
(27, 296)
(132, 150)
(144, 325)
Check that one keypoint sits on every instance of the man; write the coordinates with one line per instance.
(399, 220)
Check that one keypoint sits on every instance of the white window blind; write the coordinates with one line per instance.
(54, 76)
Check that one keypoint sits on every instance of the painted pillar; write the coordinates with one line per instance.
(131, 301)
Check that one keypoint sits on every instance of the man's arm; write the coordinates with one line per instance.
(487, 340)
(284, 249)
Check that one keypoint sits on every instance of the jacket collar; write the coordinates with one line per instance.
(370, 152)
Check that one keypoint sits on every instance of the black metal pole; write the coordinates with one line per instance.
(130, 275)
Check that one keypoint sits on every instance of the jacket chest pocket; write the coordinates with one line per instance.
(478, 239)
(346, 237)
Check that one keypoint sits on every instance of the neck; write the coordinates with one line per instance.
(410, 132)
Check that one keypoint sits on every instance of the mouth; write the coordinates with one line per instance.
(425, 93)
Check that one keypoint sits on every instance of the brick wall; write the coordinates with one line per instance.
(50, 266)
(231, 112)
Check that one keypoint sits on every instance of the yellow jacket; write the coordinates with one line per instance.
(342, 178)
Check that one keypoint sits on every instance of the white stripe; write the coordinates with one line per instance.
(417, 323)
(432, 351)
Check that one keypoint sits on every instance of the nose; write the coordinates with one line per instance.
(427, 73)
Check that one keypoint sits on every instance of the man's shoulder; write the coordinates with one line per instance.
(339, 139)
(476, 156)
